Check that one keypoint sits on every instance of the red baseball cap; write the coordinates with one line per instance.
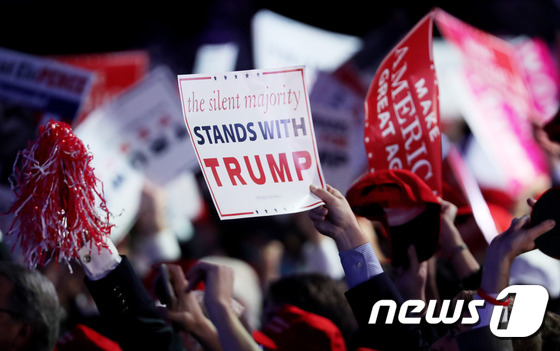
(387, 193)
(293, 329)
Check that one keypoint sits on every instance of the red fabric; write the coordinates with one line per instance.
(293, 329)
(498, 197)
(501, 216)
(490, 299)
(84, 338)
(388, 188)
(454, 196)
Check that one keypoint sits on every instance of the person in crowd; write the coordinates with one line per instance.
(188, 313)
(302, 312)
(247, 290)
(137, 324)
(225, 323)
(287, 326)
(125, 306)
(314, 293)
(365, 276)
(368, 282)
(29, 309)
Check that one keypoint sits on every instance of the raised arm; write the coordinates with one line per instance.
(364, 274)
(451, 245)
(124, 303)
(187, 314)
(218, 281)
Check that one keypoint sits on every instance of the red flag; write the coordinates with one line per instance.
(402, 128)
(115, 73)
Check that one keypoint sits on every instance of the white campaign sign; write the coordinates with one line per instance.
(254, 139)
(279, 41)
(145, 125)
(338, 118)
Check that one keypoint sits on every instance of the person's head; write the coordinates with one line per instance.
(314, 293)
(29, 309)
(293, 329)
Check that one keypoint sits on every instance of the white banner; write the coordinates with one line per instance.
(338, 118)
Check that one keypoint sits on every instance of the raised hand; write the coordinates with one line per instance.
(411, 282)
(519, 238)
(187, 314)
(218, 281)
(336, 219)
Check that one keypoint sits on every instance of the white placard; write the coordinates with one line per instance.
(122, 184)
(338, 118)
(281, 41)
(146, 126)
(254, 139)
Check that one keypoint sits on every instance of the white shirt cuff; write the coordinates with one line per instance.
(98, 263)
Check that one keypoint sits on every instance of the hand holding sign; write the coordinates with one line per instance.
(336, 219)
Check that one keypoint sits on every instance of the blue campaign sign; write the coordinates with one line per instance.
(42, 84)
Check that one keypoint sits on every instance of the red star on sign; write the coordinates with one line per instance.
(143, 133)
(125, 148)
(165, 120)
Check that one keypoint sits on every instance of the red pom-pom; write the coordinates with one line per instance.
(57, 198)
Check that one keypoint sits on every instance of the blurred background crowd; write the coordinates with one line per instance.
(172, 219)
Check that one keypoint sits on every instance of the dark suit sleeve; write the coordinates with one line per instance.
(382, 336)
(482, 339)
(130, 313)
